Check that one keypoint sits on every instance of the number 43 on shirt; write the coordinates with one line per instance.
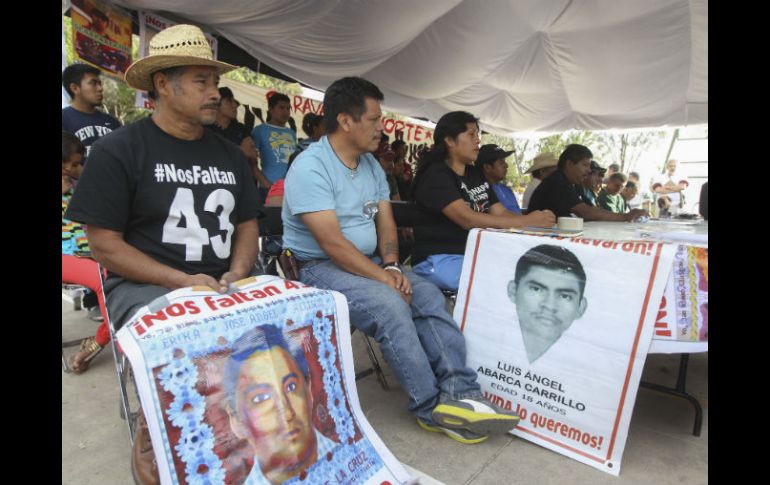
(193, 236)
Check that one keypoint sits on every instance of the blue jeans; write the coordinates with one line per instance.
(443, 270)
(421, 342)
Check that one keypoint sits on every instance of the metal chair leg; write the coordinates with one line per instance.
(64, 366)
(376, 364)
(375, 368)
(124, 375)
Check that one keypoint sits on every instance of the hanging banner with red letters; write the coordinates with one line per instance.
(416, 133)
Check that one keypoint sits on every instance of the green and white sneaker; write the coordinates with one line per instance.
(477, 415)
(463, 436)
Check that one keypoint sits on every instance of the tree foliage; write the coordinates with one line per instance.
(246, 75)
(557, 143)
(626, 148)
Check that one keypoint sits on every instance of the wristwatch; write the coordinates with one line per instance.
(392, 266)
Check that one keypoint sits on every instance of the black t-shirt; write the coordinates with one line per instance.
(177, 201)
(435, 233)
(235, 131)
(556, 194)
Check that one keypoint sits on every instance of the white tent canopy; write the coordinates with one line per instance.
(519, 65)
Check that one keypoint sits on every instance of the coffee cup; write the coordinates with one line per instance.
(569, 223)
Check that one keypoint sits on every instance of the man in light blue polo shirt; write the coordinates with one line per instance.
(339, 226)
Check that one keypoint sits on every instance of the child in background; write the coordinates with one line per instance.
(75, 249)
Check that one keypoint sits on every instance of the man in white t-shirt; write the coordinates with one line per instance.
(670, 185)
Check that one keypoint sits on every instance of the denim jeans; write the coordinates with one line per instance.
(421, 342)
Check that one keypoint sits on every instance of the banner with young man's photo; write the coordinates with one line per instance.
(255, 386)
(558, 329)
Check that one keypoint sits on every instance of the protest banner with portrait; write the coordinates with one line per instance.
(254, 386)
(101, 35)
(558, 330)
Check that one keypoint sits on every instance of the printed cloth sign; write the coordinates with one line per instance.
(101, 35)
(684, 310)
(254, 387)
(558, 329)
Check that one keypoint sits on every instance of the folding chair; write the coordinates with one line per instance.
(123, 370)
(289, 273)
(83, 272)
(451, 298)
(270, 232)
(91, 275)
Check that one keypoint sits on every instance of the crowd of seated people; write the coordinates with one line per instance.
(335, 189)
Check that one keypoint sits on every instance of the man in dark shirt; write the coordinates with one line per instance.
(228, 126)
(81, 118)
(592, 184)
(703, 207)
(558, 194)
(166, 201)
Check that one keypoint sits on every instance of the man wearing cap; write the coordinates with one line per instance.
(542, 166)
(670, 186)
(166, 201)
(559, 194)
(592, 184)
(228, 126)
(491, 162)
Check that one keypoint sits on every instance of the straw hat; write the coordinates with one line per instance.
(544, 160)
(180, 45)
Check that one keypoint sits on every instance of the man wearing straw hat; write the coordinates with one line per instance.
(167, 203)
(542, 166)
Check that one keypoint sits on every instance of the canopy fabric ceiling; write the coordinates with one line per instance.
(519, 65)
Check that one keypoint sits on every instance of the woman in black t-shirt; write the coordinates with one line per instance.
(452, 196)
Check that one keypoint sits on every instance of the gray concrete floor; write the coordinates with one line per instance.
(660, 448)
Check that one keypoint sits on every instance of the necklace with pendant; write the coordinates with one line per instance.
(352, 171)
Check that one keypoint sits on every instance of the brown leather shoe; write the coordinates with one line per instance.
(143, 464)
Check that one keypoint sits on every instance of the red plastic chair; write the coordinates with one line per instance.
(84, 272)
(88, 273)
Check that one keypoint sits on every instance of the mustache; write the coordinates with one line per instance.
(210, 106)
